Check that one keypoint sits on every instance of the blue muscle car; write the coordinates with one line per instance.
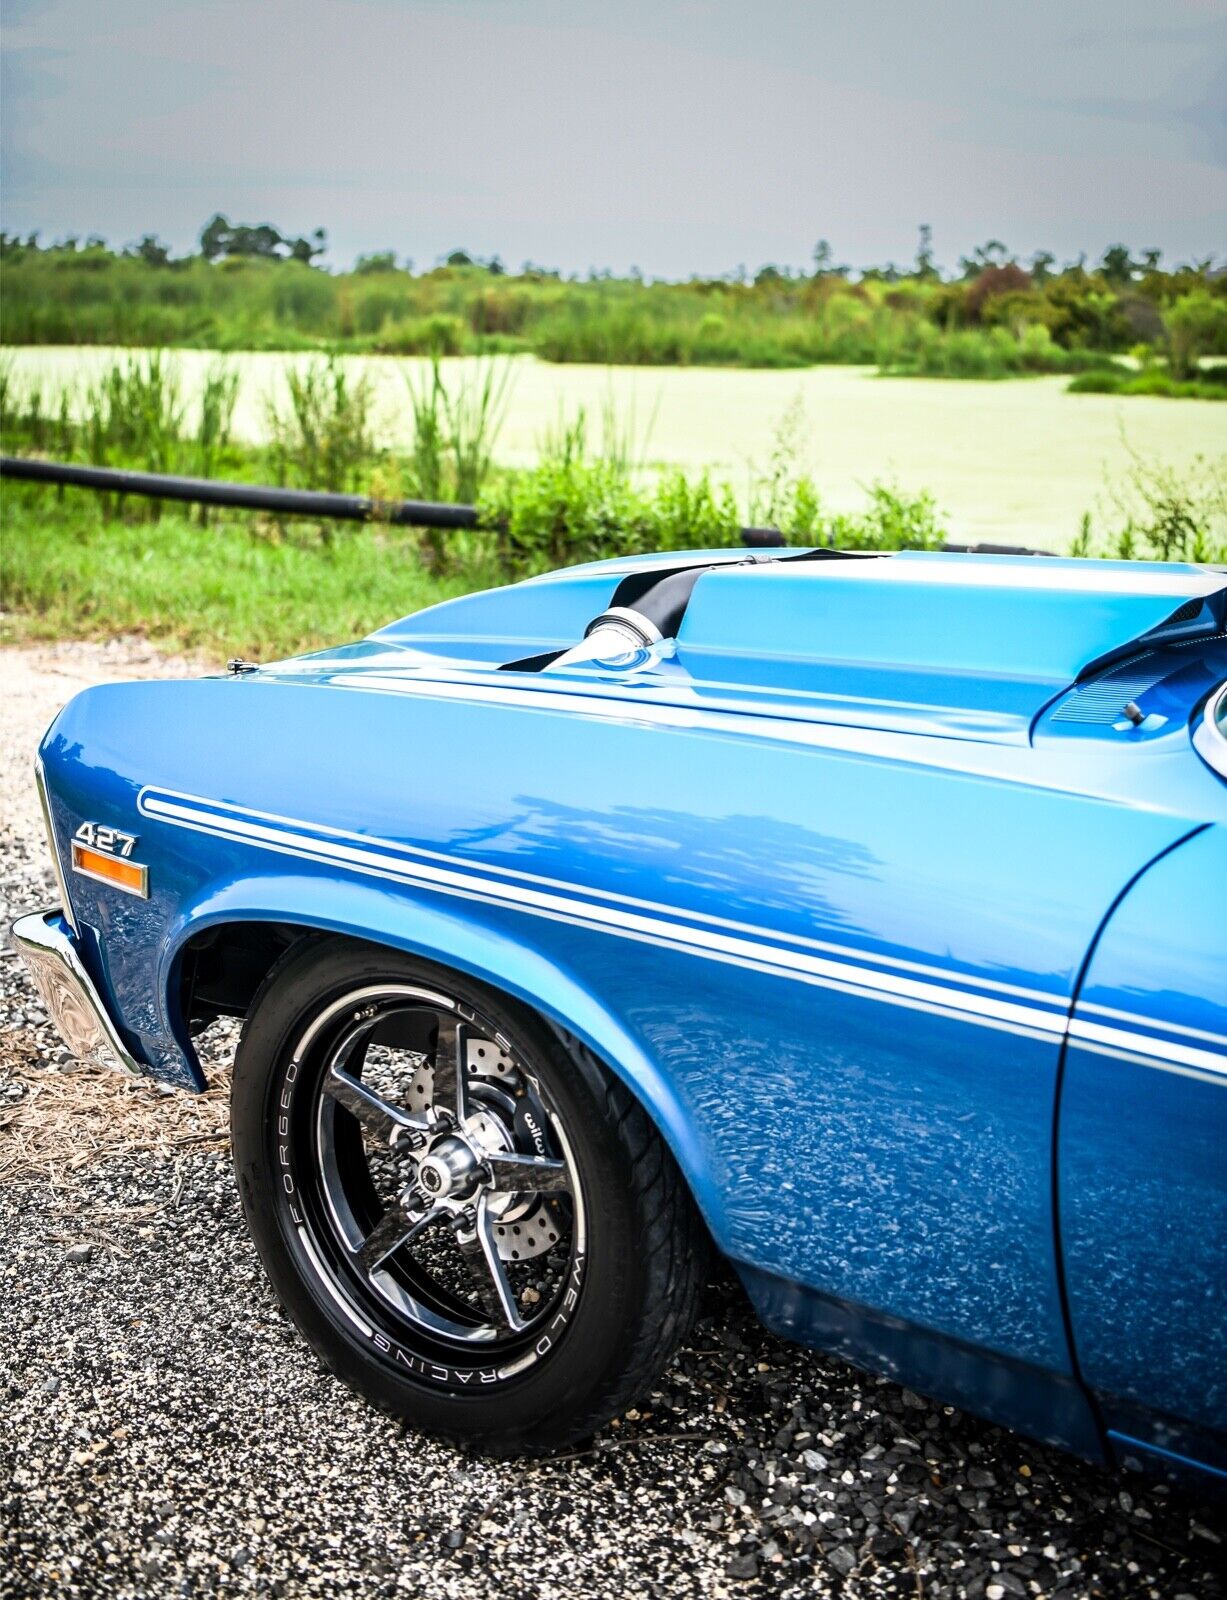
(863, 918)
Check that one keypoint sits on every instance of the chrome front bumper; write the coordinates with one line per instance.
(68, 992)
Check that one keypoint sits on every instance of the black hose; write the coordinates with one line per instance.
(242, 496)
(661, 600)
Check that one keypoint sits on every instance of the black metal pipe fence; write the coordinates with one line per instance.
(316, 503)
(242, 496)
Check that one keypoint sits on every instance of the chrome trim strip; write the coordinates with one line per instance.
(44, 800)
(68, 992)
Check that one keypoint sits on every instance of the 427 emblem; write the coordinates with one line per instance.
(95, 836)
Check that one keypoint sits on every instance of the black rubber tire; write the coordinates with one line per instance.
(646, 1250)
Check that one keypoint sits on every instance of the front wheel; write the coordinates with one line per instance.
(473, 1224)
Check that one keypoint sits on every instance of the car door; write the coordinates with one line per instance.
(1142, 1159)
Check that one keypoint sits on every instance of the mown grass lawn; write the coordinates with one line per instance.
(235, 587)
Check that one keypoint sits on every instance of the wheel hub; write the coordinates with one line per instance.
(450, 1170)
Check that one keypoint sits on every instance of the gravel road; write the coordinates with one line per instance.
(166, 1433)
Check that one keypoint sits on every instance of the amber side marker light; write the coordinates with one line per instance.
(130, 876)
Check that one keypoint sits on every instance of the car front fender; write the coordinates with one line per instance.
(458, 938)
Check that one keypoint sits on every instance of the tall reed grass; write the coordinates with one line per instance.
(590, 495)
(135, 413)
(321, 436)
(131, 414)
(456, 424)
(218, 397)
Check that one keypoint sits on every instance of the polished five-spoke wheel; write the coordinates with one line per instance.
(472, 1221)
(446, 1190)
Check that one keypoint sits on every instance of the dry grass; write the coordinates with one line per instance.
(62, 1124)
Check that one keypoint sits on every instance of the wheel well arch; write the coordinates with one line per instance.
(220, 968)
(221, 960)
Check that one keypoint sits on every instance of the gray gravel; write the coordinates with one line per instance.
(166, 1433)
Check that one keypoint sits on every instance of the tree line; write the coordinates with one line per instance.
(221, 240)
(996, 314)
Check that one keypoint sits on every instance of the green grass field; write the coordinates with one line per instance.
(236, 587)
(73, 567)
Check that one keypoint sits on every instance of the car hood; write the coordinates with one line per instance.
(964, 646)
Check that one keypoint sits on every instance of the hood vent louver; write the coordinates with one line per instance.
(1102, 701)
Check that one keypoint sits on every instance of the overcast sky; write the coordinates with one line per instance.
(678, 137)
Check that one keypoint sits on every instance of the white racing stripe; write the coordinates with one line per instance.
(1185, 1055)
(1006, 1008)
(1088, 1006)
(760, 951)
(1215, 1075)
(188, 810)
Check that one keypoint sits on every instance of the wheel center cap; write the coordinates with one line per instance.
(449, 1169)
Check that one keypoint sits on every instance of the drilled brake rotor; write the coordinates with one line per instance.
(529, 1228)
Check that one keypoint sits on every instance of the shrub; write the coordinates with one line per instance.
(693, 514)
(1037, 351)
(300, 296)
(1016, 311)
(562, 512)
(1161, 512)
(1096, 383)
(439, 335)
(1153, 383)
(1143, 319)
(893, 520)
(1085, 315)
(1196, 327)
(380, 303)
(994, 281)
(500, 311)
(965, 353)
(572, 507)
